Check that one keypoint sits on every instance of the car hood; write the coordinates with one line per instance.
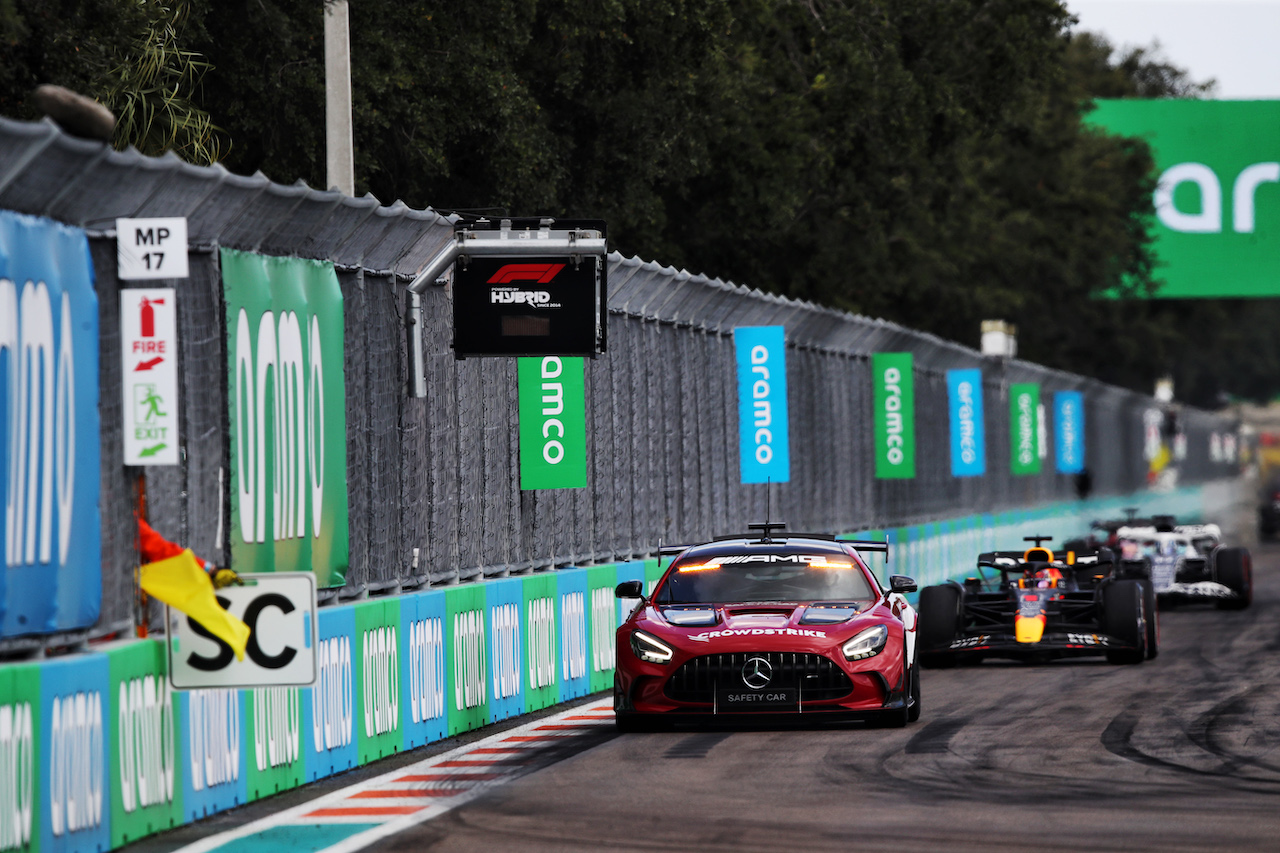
(801, 625)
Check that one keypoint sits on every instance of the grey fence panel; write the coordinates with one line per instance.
(385, 381)
(469, 498)
(355, 365)
(440, 448)
(497, 382)
(204, 401)
(118, 484)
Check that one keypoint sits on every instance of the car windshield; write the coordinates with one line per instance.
(709, 579)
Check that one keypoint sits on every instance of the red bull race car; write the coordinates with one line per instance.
(791, 626)
(1033, 606)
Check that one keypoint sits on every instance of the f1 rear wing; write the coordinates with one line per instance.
(869, 545)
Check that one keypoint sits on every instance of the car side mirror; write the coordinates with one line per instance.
(901, 583)
(629, 589)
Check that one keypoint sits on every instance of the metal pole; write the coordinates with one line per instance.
(339, 155)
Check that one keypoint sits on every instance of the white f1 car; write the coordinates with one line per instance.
(1190, 563)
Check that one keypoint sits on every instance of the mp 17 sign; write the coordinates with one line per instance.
(151, 248)
(764, 441)
(895, 421)
(149, 356)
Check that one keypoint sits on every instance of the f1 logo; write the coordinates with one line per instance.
(540, 273)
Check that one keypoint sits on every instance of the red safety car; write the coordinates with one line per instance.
(768, 625)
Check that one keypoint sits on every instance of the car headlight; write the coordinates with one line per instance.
(866, 644)
(649, 648)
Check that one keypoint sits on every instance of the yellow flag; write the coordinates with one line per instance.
(182, 584)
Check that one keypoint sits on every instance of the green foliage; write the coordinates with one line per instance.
(1139, 72)
(152, 86)
(920, 160)
(127, 54)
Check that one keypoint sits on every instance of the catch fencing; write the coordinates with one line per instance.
(433, 484)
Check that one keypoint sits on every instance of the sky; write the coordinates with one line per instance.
(1236, 42)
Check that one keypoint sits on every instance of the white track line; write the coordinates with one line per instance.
(483, 770)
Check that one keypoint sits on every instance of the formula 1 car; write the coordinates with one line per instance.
(1103, 531)
(1190, 563)
(1035, 606)
(768, 625)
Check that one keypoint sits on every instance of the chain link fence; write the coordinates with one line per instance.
(433, 483)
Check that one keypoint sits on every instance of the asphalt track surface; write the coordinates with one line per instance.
(1179, 753)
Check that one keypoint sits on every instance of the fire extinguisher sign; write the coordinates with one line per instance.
(149, 355)
(151, 248)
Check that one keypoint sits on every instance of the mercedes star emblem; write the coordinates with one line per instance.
(757, 673)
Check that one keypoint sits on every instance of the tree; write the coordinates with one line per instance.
(129, 55)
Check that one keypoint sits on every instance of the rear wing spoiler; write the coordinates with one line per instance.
(1012, 560)
(869, 545)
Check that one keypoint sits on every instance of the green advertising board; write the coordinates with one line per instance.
(540, 646)
(273, 741)
(602, 624)
(895, 415)
(287, 404)
(466, 658)
(1217, 225)
(20, 789)
(1024, 427)
(377, 679)
(146, 781)
(553, 423)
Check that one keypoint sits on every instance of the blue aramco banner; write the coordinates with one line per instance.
(50, 537)
(968, 443)
(763, 435)
(1068, 419)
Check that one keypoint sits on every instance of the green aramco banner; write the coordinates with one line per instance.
(1217, 202)
(1024, 427)
(553, 423)
(287, 401)
(895, 415)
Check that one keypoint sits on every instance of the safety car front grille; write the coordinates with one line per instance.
(816, 676)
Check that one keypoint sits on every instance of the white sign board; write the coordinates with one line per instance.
(280, 610)
(149, 355)
(151, 248)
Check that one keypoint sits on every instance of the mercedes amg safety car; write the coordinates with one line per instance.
(1032, 605)
(768, 625)
(1190, 563)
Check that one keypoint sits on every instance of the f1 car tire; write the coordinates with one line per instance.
(939, 621)
(1153, 618)
(1122, 609)
(1233, 568)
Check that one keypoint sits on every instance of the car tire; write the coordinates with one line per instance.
(1122, 610)
(1152, 607)
(1233, 568)
(938, 623)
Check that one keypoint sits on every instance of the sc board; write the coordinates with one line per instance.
(280, 610)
